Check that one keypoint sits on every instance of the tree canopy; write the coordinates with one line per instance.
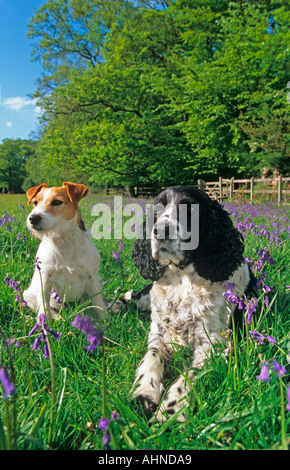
(161, 92)
(14, 156)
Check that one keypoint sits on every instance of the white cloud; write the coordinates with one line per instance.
(9, 124)
(17, 103)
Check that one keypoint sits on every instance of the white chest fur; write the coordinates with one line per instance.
(183, 303)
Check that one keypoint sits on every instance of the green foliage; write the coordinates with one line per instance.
(229, 407)
(161, 93)
(14, 155)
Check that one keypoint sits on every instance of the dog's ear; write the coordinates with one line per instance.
(31, 192)
(76, 192)
(149, 268)
(221, 246)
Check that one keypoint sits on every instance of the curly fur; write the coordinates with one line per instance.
(186, 299)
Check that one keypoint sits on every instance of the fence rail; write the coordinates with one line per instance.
(225, 188)
(228, 188)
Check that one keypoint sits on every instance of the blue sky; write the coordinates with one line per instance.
(18, 74)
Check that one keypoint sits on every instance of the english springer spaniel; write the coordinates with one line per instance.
(190, 269)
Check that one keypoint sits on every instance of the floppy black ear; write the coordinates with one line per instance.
(221, 247)
(149, 268)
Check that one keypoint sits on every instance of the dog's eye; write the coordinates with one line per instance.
(35, 203)
(56, 202)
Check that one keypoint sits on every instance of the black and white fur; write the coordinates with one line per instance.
(187, 303)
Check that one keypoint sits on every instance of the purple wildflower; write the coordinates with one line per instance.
(279, 368)
(265, 256)
(13, 341)
(267, 289)
(232, 297)
(229, 348)
(264, 375)
(266, 301)
(288, 397)
(104, 425)
(9, 388)
(261, 338)
(88, 327)
(250, 310)
(37, 263)
(116, 254)
(115, 416)
(44, 331)
(15, 285)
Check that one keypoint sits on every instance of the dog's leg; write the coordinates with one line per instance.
(148, 387)
(37, 295)
(178, 394)
(97, 303)
(140, 299)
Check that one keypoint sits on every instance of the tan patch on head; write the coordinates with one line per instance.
(59, 201)
(59, 204)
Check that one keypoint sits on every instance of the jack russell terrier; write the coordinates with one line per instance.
(67, 261)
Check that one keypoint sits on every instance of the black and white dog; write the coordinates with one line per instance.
(186, 299)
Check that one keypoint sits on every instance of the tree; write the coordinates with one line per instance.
(161, 93)
(237, 114)
(13, 157)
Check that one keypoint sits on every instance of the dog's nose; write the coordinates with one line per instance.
(35, 219)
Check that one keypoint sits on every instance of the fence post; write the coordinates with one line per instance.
(231, 187)
(252, 189)
(279, 189)
(200, 185)
(221, 187)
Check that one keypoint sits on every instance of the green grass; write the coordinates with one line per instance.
(229, 409)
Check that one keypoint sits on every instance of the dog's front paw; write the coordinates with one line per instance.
(168, 409)
(147, 393)
(146, 403)
(172, 403)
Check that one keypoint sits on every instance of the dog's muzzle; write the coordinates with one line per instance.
(35, 220)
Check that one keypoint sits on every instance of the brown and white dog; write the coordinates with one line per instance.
(67, 261)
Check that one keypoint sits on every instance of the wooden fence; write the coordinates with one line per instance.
(233, 188)
(252, 188)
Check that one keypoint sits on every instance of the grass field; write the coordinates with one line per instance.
(59, 401)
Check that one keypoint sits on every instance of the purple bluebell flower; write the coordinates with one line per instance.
(265, 256)
(15, 285)
(232, 297)
(44, 330)
(115, 416)
(8, 386)
(58, 299)
(279, 368)
(261, 338)
(267, 289)
(38, 263)
(116, 254)
(266, 301)
(250, 310)
(288, 398)
(88, 327)
(13, 341)
(104, 425)
(271, 339)
(264, 375)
